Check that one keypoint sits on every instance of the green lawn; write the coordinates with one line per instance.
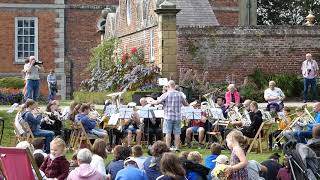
(8, 141)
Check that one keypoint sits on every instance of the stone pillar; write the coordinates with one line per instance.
(167, 12)
(248, 12)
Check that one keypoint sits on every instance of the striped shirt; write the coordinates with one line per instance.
(172, 102)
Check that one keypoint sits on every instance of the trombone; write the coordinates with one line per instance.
(306, 115)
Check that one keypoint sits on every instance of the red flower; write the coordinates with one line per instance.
(124, 58)
(133, 50)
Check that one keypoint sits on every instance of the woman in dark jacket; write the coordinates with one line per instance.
(256, 121)
(54, 124)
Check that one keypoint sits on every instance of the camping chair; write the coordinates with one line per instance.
(17, 164)
(28, 133)
(256, 140)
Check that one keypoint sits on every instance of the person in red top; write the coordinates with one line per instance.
(197, 126)
(56, 166)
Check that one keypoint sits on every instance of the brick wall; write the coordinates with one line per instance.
(226, 11)
(46, 24)
(238, 51)
(28, 1)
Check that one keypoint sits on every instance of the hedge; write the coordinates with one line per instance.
(12, 82)
(100, 97)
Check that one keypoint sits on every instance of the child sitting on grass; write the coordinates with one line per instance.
(56, 166)
(196, 170)
(221, 163)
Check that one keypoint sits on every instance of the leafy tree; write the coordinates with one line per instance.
(286, 12)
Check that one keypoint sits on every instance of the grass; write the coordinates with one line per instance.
(8, 140)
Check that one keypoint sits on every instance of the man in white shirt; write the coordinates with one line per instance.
(274, 96)
(33, 78)
(309, 70)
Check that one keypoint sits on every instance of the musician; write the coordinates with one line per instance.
(151, 125)
(220, 101)
(256, 121)
(131, 126)
(282, 125)
(33, 117)
(274, 96)
(67, 111)
(300, 124)
(244, 122)
(232, 95)
(303, 135)
(90, 124)
(197, 126)
(54, 122)
(172, 100)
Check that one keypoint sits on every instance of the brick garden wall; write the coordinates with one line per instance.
(238, 51)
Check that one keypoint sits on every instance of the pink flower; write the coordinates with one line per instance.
(133, 50)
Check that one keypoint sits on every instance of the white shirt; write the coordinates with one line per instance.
(309, 68)
(276, 92)
(34, 72)
(140, 160)
(98, 164)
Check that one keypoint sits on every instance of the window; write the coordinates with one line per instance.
(129, 12)
(152, 48)
(26, 38)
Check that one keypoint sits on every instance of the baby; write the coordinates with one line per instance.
(56, 166)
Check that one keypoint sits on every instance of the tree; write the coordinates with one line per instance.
(286, 12)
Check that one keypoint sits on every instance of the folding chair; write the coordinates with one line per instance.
(83, 136)
(75, 130)
(257, 139)
(215, 132)
(17, 164)
(20, 135)
(28, 133)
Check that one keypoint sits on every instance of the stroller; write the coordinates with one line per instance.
(304, 163)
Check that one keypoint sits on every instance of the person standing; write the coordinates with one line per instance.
(309, 70)
(52, 85)
(173, 101)
(33, 79)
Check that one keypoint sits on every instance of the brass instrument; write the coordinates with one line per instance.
(307, 115)
(233, 113)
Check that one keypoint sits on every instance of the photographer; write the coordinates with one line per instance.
(33, 79)
(309, 70)
(52, 85)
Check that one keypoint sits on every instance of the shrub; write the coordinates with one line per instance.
(12, 82)
(9, 99)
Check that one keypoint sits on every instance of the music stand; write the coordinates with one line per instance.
(147, 113)
(194, 114)
(217, 113)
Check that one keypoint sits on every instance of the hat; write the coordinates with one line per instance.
(221, 159)
(129, 159)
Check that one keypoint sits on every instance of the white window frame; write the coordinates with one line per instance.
(152, 48)
(17, 60)
(129, 11)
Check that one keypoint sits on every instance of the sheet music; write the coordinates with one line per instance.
(111, 109)
(159, 113)
(114, 119)
(125, 113)
(281, 115)
(193, 113)
(217, 113)
(146, 112)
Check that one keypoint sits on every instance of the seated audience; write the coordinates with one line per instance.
(39, 159)
(120, 153)
(131, 126)
(56, 165)
(273, 167)
(314, 143)
(90, 124)
(274, 96)
(152, 127)
(171, 168)
(73, 162)
(152, 164)
(238, 161)
(256, 121)
(303, 135)
(282, 125)
(38, 145)
(84, 171)
(232, 95)
(99, 154)
(33, 117)
(301, 123)
(54, 122)
(195, 174)
(137, 153)
(25, 145)
(218, 172)
(285, 172)
(253, 170)
(209, 162)
(131, 171)
(197, 126)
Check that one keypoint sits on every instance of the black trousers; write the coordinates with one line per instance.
(274, 134)
(152, 133)
(114, 133)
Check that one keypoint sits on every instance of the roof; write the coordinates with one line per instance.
(195, 13)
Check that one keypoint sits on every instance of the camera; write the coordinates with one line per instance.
(309, 71)
(38, 63)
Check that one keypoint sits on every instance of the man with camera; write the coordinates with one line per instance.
(309, 71)
(33, 78)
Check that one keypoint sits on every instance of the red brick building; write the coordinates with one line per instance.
(61, 33)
